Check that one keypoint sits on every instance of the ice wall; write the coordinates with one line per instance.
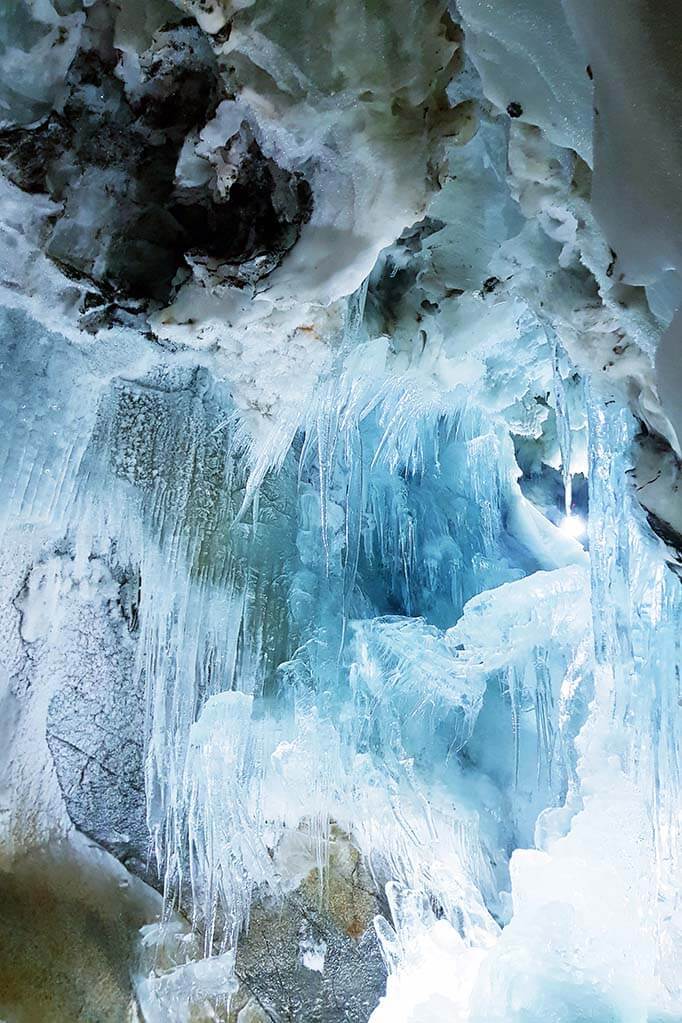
(340, 530)
(591, 934)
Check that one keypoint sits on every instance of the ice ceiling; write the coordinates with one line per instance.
(341, 511)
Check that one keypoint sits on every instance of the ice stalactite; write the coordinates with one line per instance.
(363, 639)
(364, 548)
(212, 600)
(607, 852)
(636, 603)
(401, 506)
(368, 641)
(563, 425)
(329, 586)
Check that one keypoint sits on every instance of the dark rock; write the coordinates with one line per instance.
(95, 732)
(110, 160)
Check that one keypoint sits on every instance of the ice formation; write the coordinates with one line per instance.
(340, 590)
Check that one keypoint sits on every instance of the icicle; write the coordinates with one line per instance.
(610, 523)
(356, 312)
(637, 606)
(563, 422)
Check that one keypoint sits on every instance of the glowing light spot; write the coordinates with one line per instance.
(574, 525)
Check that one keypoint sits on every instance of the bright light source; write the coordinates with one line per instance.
(574, 525)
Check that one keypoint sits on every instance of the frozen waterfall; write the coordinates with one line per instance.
(340, 667)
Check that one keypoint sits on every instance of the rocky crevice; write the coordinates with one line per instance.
(109, 158)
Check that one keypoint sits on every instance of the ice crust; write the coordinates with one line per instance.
(309, 517)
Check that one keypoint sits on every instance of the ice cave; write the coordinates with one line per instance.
(341, 509)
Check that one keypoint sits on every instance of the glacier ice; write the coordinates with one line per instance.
(339, 585)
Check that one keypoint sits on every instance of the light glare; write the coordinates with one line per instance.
(574, 525)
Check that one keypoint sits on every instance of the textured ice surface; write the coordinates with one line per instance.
(597, 870)
(319, 337)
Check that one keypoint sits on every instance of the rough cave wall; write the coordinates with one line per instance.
(190, 195)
